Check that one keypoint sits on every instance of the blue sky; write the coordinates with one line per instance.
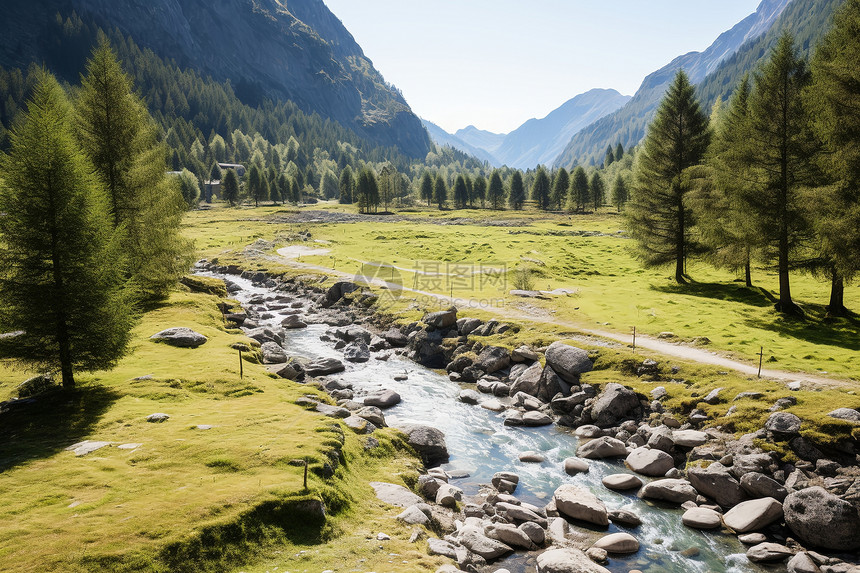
(497, 63)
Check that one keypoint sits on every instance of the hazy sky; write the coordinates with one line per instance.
(497, 63)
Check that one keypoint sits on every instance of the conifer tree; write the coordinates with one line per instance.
(560, 187)
(256, 187)
(479, 189)
(366, 190)
(440, 192)
(517, 192)
(598, 190)
(284, 188)
(121, 140)
(541, 189)
(609, 157)
(620, 194)
(230, 187)
(619, 151)
(346, 185)
(426, 190)
(61, 260)
(496, 190)
(659, 215)
(461, 193)
(833, 98)
(215, 172)
(189, 187)
(578, 190)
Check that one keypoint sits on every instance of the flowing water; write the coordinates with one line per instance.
(480, 444)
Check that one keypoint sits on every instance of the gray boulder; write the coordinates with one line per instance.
(493, 358)
(510, 535)
(821, 519)
(602, 447)
(701, 518)
(671, 490)
(373, 415)
(717, 483)
(579, 503)
(618, 543)
(475, 541)
(753, 515)
(613, 405)
(847, 414)
(441, 319)
(273, 353)
(180, 337)
(529, 381)
(757, 484)
(621, 482)
(338, 289)
(783, 424)
(293, 321)
(568, 361)
(768, 553)
(649, 462)
(428, 442)
(324, 367)
(567, 560)
(384, 399)
(356, 351)
(395, 337)
(413, 516)
(395, 494)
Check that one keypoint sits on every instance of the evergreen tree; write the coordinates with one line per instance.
(284, 188)
(121, 140)
(461, 193)
(619, 151)
(517, 192)
(659, 215)
(779, 151)
(61, 259)
(230, 187)
(496, 191)
(609, 157)
(541, 189)
(620, 194)
(440, 192)
(218, 148)
(560, 186)
(479, 189)
(366, 191)
(426, 190)
(598, 190)
(833, 97)
(256, 185)
(295, 191)
(215, 172)
(579, 191)
(346, 185)
(329, 185)
(389, 185)
(190, 188)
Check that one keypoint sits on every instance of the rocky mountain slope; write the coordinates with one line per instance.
(442, 137)
(284, 49)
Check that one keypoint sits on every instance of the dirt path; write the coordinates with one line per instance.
(664, 347)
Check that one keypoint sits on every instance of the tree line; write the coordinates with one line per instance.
(771, 176)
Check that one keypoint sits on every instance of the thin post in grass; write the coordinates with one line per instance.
(306, 475)
(241, 367)
(634, 339)
(760, 358)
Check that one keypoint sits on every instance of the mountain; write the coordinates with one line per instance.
(442, 137)
(540, 141)
(293, 50)
(486, 140)
(627, 125)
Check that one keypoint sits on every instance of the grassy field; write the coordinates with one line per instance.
(189, 499)
(459, 253)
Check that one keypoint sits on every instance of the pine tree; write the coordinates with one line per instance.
(609, 157)
(619, 151)
(230, 187)
(284, 188)
(461, 193)
(121, 140)
(215, 172)
(479, 189)
(780, 151)
(440, 192)
(496, 191)
(620, 194)
(579, 191)
(659, 215)
(517, 192)
(541, 189)
(598, 191)
(366, 190)
(61, 260)
(189, 187)
(426, 190)
(833, 98)
(256, 185)
(346, 185)
(560, 186)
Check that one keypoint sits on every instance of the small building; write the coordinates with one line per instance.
(239, 169)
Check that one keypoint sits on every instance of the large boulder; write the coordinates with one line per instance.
(180, 337)
(618, 543)
(649, 462)
(602, 447)
(475, 541)
(356, 351)
(293, 321)
(493, 358)
(847, 414)
(529, 381)
(701, 518)
(441, 319)
(614, 404)
(510, 535)
(384, 399)
(768, 553)
(324, 367)
(428, 442)
(783, 425)
(717, 483)
(395, 494)
(757, 484)
(338, 289)
(753, 515)
(689, 438)
(273, 353)
(568, 560)
(568, 361)
(671, 490)
(821, 519)
(579, 503)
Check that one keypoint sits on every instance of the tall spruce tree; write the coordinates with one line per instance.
(426, 190)
(367, 191)
(461, 193)
(541, 189)
(496, 190)
(779, 151)
(579, 195)
(517, 192)
(62, 281)
(440, 191)
(346, 185)
(609, 157)
(833, 97)
(479, 189)
(560, 186)
(230, 187)
(121, 140)
(598, 190)
(659, 215)
(620, 194)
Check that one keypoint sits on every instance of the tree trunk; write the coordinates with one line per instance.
(785, 305)
(837, 296)
(680, 246)
(748, 270)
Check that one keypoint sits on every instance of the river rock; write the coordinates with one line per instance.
(448, 495)
(568, 361)
(847, 414)
(466, 326)
(701, 518)
(475, 541)
(649, 462)
(384, 399)
(509, 535)
(291, 371)
(602, 447)
(441, 547)
(671, 490)
(324, 367)
(821, 519)
(573, 466)
(428, 442)
(579, 503)
(394, 494)
(523, 354)
(536, 419)
(757, 484)
(783, 425)
(493, 358)
(567, 560)
(532, 458)
(180, 337)
(717, 483)
(412, 515)
(517, 512)
(470, 397)
(689, 438)
(752, 538)
(802, 563)
(613, 405)
(622, 482)
(358, 425)
(768, 553)
(338, 289)
(356, 351)
(534, 531)
(618, 543)
(624, 517)
(661, 439)
(373, 415)
(273, 353)
(293, 321)
(529, 381)
(753, 515)
(441, 319)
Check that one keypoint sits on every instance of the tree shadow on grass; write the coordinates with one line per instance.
(753, 296)
(51, 422)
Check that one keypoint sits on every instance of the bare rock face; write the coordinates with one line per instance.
(821, 519)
